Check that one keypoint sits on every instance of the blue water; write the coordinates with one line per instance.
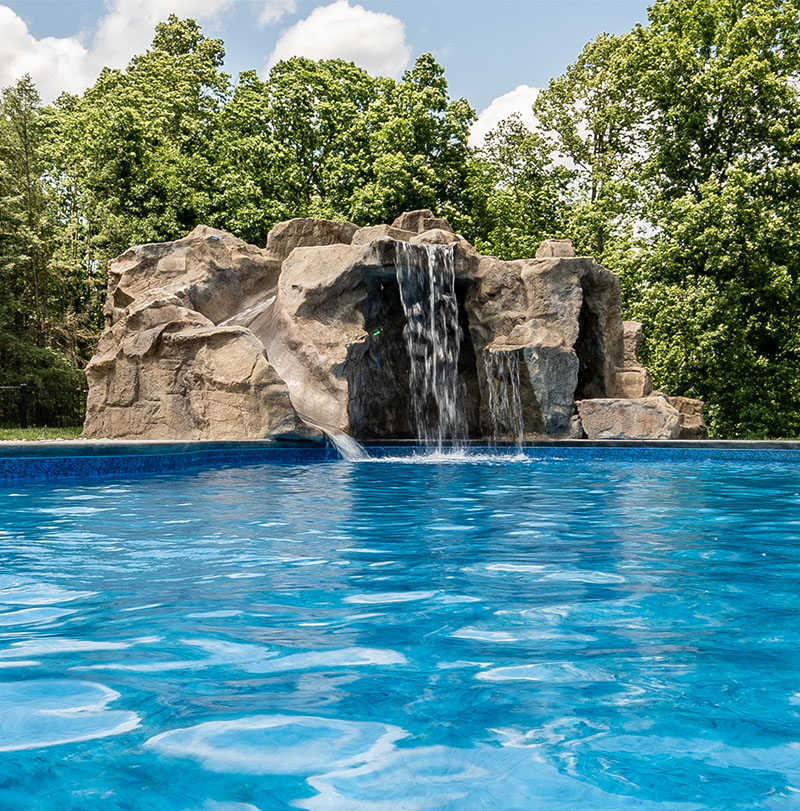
(474, 635)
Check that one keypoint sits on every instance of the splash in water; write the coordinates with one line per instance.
(426, 278)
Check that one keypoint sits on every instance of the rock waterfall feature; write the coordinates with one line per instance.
(397, 331)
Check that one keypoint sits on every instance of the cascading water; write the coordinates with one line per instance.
(505, 402)
(347, 447)
(426, 278)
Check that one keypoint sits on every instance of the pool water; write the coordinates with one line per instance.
(473, 635)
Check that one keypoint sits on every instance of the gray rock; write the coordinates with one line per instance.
(641, 418)
(562, 312)
(599, 343)
(576, 428)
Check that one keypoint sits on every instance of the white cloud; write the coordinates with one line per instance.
(374, 41)
(274, 10)
(73, 63)
(56, 64)
(519, 100)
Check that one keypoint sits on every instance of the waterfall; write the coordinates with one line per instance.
(505, 403)
(426, 278)
(348, 448)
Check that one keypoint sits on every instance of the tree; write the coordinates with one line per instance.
(23, 212)
(686, 130)
(591, 116)
(721, 183)
(516, 195)
(327, 139)
(137, 144)
(32, 304)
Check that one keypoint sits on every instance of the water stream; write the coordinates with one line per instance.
(349, 449)
(426, 278)
(505, 403)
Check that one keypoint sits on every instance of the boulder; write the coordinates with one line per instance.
(208, 271)
(303, 232)
(599, 341)
(640, 418)
(633, 380)
(691, 414)
(631, 341)
(555, 247)
(548, 376)
(421, 220)
(337, 337)
(564, 314)
(166, 372)
(365, 235)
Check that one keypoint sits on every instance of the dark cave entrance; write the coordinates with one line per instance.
(378, 369)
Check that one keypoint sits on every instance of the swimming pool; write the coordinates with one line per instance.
(549, 633)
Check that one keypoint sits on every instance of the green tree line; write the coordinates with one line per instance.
(670, 153)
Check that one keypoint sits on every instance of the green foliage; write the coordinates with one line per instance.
(590, 116)
(38, 326)
(23, 213)
(515, 193)
(327, 139)
(686, 131)
(137, 144)
(720, 186)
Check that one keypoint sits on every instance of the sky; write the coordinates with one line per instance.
(496, 53)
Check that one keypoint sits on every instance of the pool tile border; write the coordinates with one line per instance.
(59, 460)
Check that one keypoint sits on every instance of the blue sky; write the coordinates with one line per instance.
(495, 52)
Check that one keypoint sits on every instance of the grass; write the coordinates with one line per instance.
(40, 433)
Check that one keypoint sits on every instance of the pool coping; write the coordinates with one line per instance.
(55, 460)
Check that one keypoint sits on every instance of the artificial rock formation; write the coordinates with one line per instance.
(209, 337)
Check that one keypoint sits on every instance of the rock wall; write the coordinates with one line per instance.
(209, 337)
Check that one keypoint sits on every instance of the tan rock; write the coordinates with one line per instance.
(365, 235)
(173, 363)
(209, 337)
(308, 232)
(631, 341)
(209, 271)
(422, 219)
(641, 418)
(169, 373)
(634, 382)
(555, 247)
(691, 414)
